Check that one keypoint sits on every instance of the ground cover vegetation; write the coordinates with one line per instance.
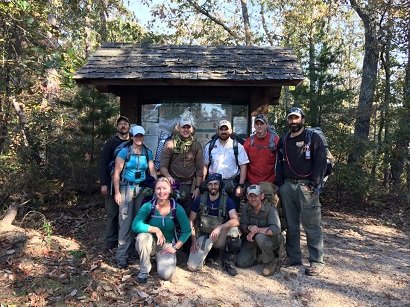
(356, 60)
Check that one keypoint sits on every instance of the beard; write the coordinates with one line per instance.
(123, 132)
(295, 127)
(214, 192)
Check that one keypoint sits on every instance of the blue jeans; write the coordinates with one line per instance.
(302, 206)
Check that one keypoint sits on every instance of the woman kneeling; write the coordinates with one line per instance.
(156, 224)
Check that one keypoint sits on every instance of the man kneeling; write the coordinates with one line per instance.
(218, 226)
(261, 225)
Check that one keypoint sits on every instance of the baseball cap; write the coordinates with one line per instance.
(185, 121)
(254, 189)
(226, 123)
(122, 117)
(296, 111)
(137, 130)
(261, 118)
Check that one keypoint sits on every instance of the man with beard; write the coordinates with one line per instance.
(218, 226)
(107, 155)
(221, 158)
(182, 163)
(300, 169)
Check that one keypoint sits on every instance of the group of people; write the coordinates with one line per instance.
(192, 202)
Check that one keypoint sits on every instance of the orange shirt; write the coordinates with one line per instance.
(262, 160)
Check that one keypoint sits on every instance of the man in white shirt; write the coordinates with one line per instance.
(228, 158)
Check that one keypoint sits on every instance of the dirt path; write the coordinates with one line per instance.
(367, 264)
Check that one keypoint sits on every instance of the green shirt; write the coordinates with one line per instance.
(266, 217)
(143, 220)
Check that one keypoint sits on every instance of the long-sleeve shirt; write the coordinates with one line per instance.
(166, 223)
(291, 161)
(183, 167)
(107, 155)
(266, 217)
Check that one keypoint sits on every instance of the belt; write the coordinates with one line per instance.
(296, 180)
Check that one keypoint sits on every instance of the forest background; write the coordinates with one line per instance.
(355, 57)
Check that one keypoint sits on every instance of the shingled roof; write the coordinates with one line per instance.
(138, 64)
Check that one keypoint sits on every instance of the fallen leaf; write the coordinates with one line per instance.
(142, 294)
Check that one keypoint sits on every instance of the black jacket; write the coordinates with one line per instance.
(107, 155)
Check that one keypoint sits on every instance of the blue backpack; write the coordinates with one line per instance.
(128, 145)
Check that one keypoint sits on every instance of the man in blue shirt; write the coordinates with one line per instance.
(218, 226)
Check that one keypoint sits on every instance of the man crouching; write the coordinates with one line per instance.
(261, 225)
(218, 226)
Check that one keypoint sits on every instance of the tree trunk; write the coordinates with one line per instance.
(368, 16)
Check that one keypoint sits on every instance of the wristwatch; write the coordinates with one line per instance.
(241, 185)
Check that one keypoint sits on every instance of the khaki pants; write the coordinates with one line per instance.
(147, 247)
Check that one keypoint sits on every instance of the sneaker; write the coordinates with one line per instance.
(271, 268)
(142, 277)
(314, 269)
(230, 269)
(122, 263)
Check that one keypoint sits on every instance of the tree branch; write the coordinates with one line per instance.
(216, 20)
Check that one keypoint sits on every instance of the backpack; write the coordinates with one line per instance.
(236, 139)
(177, 228)
(209, 222)
(330, 161)
(163, 137)
(272, 145)
(128, 145)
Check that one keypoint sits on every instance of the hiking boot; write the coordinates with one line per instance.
(271, 268)
(142, 277)
(122, 263)
(314, 269)
(111, 245)
(230, 269)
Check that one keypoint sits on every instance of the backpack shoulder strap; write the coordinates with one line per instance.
(174, 209)
(222, 204)
(203, 209)
(211, 146)
(272, 145)
(308, 136)
(235, 151)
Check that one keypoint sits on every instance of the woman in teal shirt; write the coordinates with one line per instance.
(155, 224)
(132, 165)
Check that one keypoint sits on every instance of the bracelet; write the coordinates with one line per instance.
(241, 185)
(175, 246)
(197, 187)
